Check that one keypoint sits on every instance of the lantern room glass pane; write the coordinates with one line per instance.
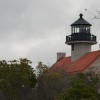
(77, 29)
(73, 29)
(88, 29)
(81, 29)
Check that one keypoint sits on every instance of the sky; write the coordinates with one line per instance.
(37, 29)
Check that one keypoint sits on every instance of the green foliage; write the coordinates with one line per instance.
(49, 85)
(79, 90)
(50, 78)
(16, 76)
(41, 68)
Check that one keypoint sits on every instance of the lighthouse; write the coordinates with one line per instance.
(82, 59)
(80, 39)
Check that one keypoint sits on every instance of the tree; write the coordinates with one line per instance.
(50, 84)
(79, 90)
(41, 68)
(16, 76)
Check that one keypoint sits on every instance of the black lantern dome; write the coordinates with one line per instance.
(81, 21)
(80, 32)
(81, 26)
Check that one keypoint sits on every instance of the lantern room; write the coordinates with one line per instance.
(81, 32)
(80, 26)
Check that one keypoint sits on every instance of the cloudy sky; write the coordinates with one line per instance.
(36, 29)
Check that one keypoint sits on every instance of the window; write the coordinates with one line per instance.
(80, 29)
(88, 29)
(72, 47)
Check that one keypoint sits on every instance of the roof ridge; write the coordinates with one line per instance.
(59, 60)
(82, 63)
(93, 59)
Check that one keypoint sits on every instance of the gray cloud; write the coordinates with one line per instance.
(37, 28)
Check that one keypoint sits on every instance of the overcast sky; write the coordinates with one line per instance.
(36, 29)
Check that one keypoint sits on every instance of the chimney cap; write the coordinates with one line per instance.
(60, 55)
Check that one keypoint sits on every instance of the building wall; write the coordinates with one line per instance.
(80, 50)
(94, 67)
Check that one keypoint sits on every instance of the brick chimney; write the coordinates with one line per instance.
(60, 55)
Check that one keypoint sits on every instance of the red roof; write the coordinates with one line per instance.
(64, 65)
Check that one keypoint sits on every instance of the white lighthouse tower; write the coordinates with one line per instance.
(80, 39)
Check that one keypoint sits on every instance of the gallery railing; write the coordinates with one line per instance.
(81, 37)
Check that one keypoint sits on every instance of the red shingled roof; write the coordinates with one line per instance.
(64, 65)
(61, 64)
